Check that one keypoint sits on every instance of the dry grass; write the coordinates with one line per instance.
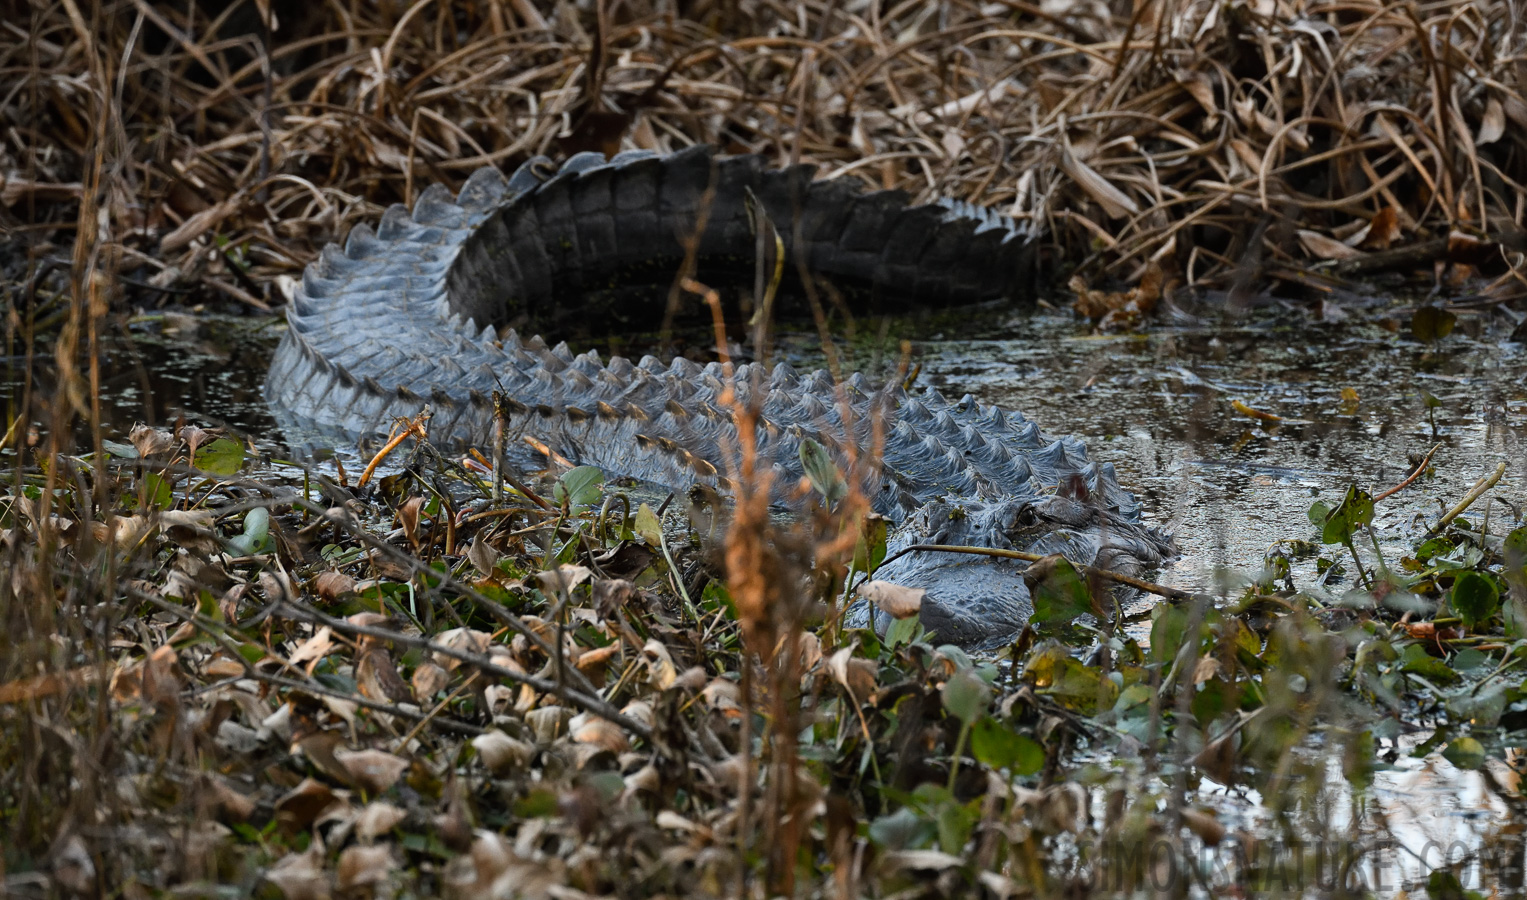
(1167, 132)
(1224, 143)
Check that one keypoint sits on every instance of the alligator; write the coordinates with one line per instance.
(428, 311)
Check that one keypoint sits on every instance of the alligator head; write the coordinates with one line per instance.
(983, 601)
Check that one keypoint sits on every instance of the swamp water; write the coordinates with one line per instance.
(1359, 401)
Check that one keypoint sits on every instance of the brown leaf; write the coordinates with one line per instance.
(301, 876)
(150, 441)
(429, 680)
(1115, 203)
(1322, 247)
(563, 578)
(377, 819)
(333, 585)
(377, 678)
(1383, 229)
(482, 556)
(161, 678)
(303, 804)
(314, 649)
(660, 669)
(1492, 126)
(364, 867)
(896, 601)
(408, 517)
(373, 771)
(1203, 824)
(857, 675)
(502, 754)
(587, 728)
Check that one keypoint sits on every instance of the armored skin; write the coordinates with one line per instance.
(429, 309)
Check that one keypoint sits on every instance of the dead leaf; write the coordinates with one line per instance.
(377, 819)
(896, 601)
(563, 578)
(661, 673)
(408, 516)
(1383, 229)
(1206, 669)
(314, 649)
(373, 771)
(301, 876)
(150, 441)
(502, 754)
(333, 585)
(303, 804)
(1492, 126)
(858, 676)
(548, 723)
(429, 680)
(1323, 247)
(363, 867)
(587, 728)
(1115, 203)
(483, 557)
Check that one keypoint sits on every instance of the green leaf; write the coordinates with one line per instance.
(955, 823)
(581, 486)
(1474, 598)
(223, 456)
(1431, 323)
(648, 526)
(540, 803)
(256, 534)
(901, 829)
(1418, 662)
(1000, 747)
(1465, 753)
(869, 552)
(1062, 595)
(1515, 550)
(1354, 511)
(902, 631)
(1166, 632)
(966, 695)
(1515, 614)
(822, 471)
(157, 491)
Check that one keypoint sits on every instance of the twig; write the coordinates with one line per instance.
(412, 428)
(1412, 477)
(1477, 491)
(590, 703)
